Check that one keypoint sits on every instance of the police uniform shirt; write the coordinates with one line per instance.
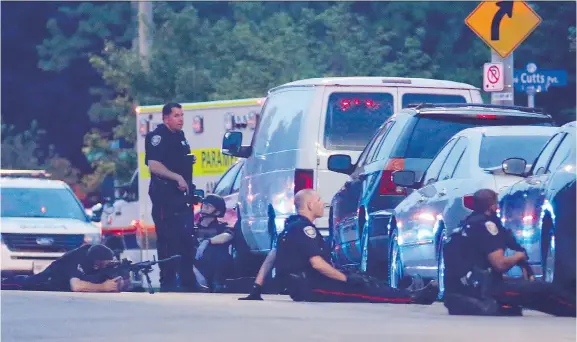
(300, 241)
(67, 267)
(214, 228)
(168, 148)
(487, 235)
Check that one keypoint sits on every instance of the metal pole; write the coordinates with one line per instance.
(505, 97)
(144, 30)
(531, 97)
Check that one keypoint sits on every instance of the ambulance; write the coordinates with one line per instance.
(205, 124)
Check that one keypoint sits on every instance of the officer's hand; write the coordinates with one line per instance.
(526, 274)
(254, 293)
(182, 185)
(112, 285)
(355, 279)
(201, 248)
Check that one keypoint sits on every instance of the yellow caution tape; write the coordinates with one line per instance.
(209, 162)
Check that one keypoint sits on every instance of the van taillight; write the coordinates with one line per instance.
(468, 202)
(303, 179)
(386, 185)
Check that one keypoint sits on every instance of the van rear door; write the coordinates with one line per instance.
(350, 116)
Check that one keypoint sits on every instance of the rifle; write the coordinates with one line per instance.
(125, 266)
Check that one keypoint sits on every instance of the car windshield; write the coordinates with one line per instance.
(353, 118)
(495, 149)
(36, 202)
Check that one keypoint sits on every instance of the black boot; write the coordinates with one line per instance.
(426, 295)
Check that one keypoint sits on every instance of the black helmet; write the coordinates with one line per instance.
(217, 202)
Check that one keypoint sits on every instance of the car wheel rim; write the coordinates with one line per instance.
(441, 273)
(395, 264)
(550, 261)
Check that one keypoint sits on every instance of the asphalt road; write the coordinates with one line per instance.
(44, 316)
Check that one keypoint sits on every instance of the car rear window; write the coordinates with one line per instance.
(495, 149)
(353, 118)
(42, 203)
(431, 132)
(431, 98)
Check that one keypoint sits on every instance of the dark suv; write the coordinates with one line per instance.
(408, 140)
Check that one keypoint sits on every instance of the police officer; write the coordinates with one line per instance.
(72, 272)
(214, 261)
(167, 156)
(475, 263)
(302, 263)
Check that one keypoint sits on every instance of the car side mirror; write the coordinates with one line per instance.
(96, 212)
(514, 166)
(340, 163)
(405, 178)
(232, 145)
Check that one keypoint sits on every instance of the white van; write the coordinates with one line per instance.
(301, 124)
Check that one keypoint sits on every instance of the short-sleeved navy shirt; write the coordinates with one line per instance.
(62, 270)
(296, 244)
(168, 148)
(487, 235)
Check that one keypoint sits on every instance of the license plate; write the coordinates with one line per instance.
(40, 265)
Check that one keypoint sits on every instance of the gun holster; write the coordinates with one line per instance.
(299, 286)
(480, 281)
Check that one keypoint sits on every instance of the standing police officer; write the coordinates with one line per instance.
(475, 262)
(167, 156)
(214, 261)
(303, 265)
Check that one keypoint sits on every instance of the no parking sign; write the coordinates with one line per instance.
(493, 77)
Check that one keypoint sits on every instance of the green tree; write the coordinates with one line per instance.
(25, 150)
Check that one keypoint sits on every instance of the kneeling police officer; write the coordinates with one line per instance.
(213, 259)
(302, 263)
(74, 271)
(475, 264)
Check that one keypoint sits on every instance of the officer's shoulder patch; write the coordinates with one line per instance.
(310, 231)
(492, 228)
(155, 140)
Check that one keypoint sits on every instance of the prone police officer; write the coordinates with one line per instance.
(475, 263)
(72, 272)
(303, 265)
(170, 164)
(213, 259)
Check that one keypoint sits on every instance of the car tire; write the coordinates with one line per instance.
(548, 260)
(395, 265)
(441, 263)
(370, 265)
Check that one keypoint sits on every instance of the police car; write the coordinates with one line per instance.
(40, 220)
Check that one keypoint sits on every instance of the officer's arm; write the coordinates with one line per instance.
(78, 285)
(159, 169)
(326, 269)
(504, 263)
(266, 267)
(222, 238)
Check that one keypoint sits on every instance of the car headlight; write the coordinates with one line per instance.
(92, 239)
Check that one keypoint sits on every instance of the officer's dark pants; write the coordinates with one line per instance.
(508, 296)
(174, 237)
(536, 295)
(215, 264)
(323, 289)
(34, 282)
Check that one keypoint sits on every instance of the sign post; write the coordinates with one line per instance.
(503, 26)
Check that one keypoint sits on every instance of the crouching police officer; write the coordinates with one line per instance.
(214, 260)
(74, 271)
(475, 263)
(170, 164)
(303, 264)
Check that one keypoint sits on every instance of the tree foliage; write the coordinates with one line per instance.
(211, 51)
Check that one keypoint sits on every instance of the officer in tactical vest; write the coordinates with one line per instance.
(475, 263)
(213, 258)
(302, 263)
